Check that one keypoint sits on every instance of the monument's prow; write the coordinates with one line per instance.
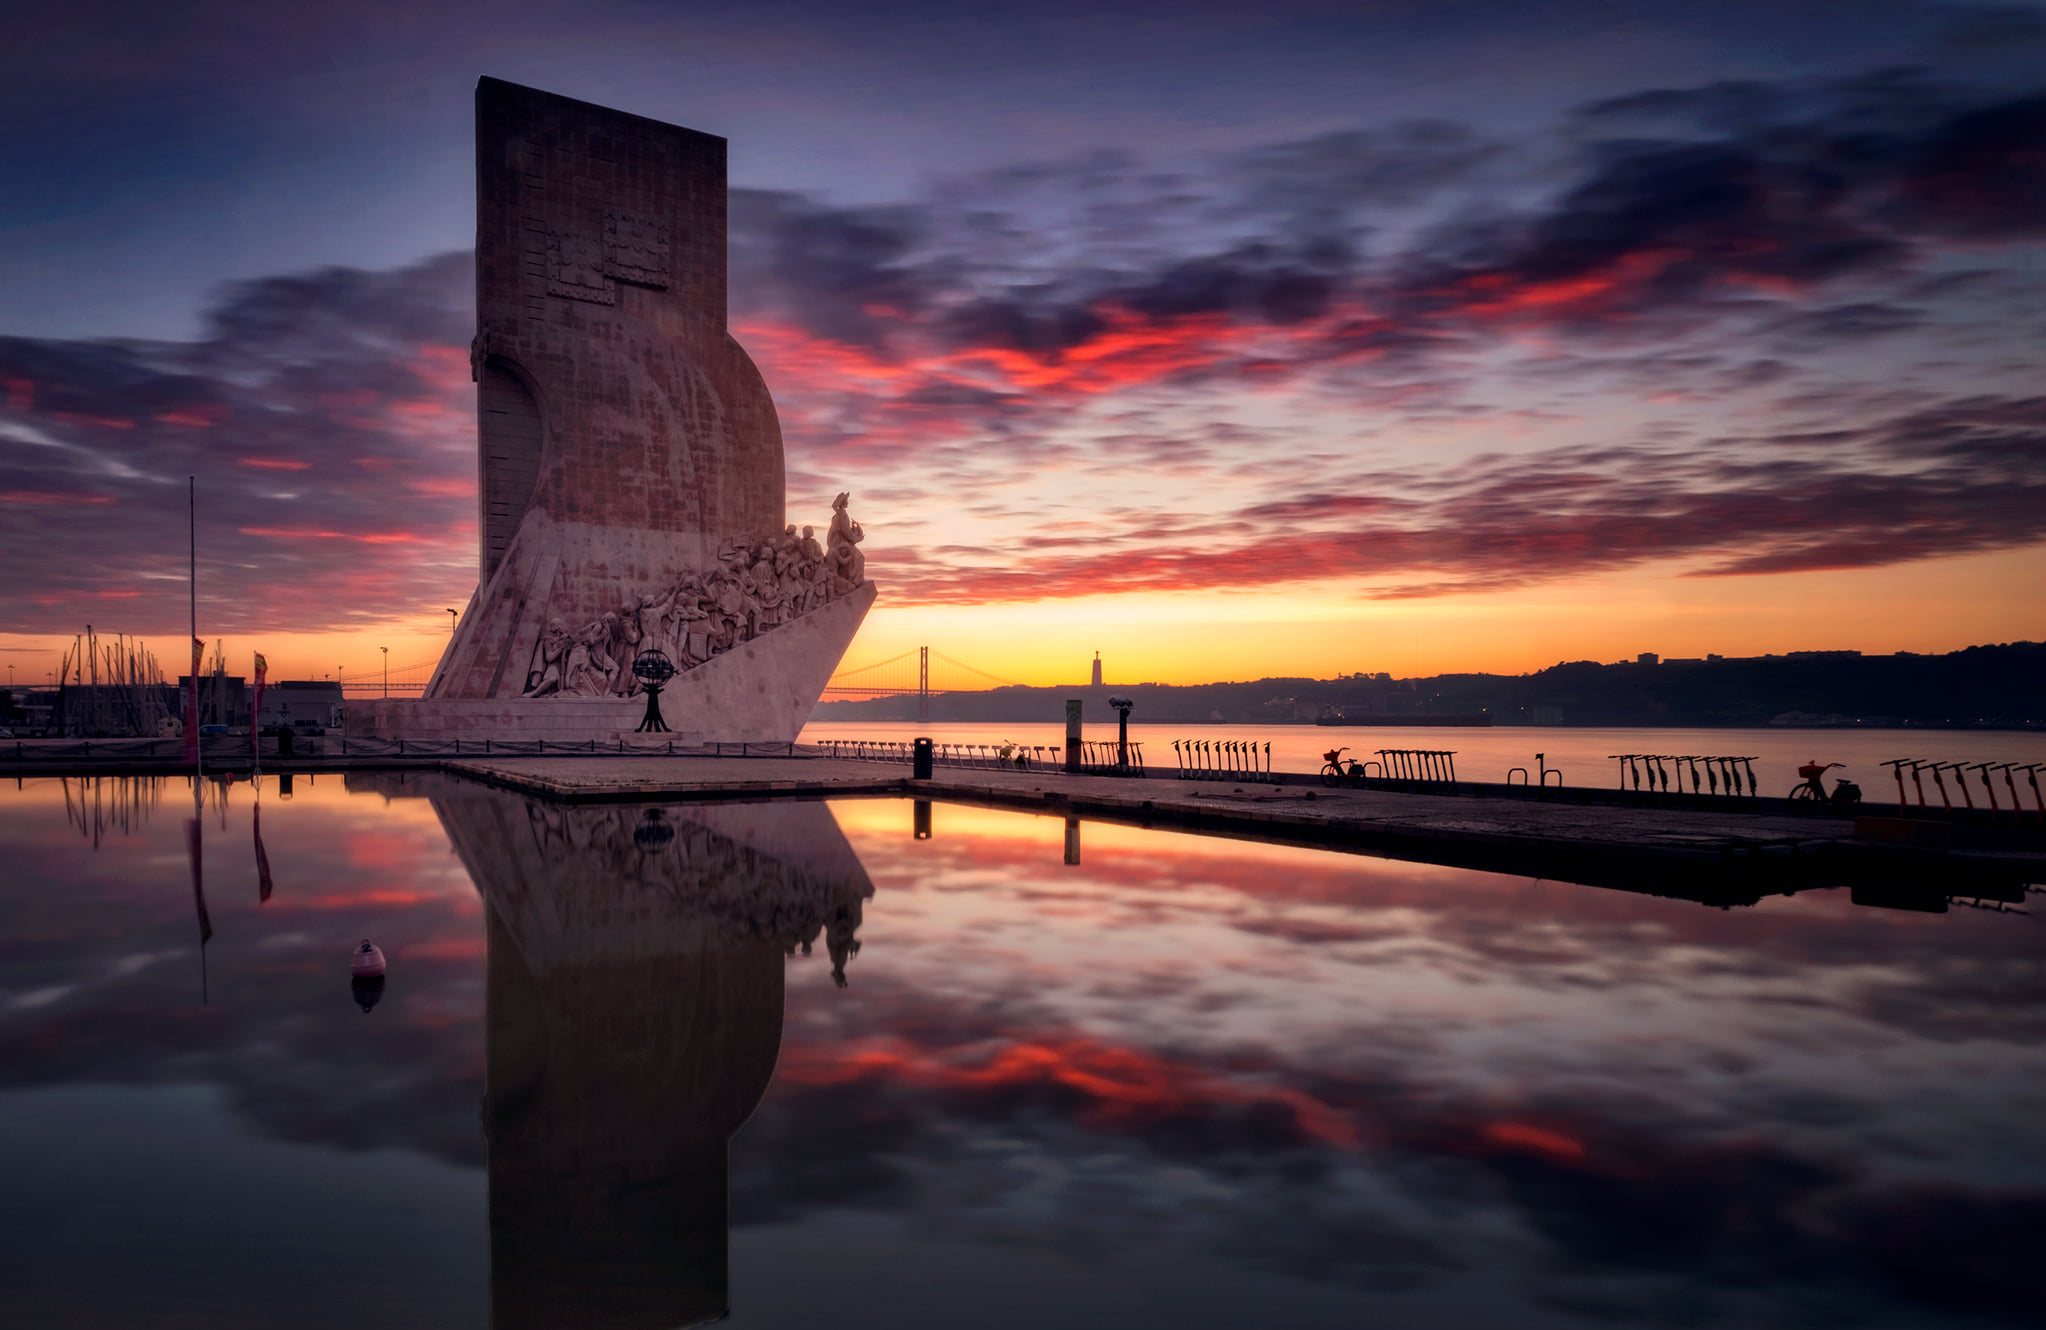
(630, 459)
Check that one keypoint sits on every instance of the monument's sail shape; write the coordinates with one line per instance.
(630, 459)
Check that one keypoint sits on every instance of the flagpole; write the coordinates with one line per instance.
(194, 830)
(192, 531)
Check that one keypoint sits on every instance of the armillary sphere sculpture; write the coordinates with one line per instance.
(653, 669)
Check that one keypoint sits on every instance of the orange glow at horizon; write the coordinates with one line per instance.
(1319, 630)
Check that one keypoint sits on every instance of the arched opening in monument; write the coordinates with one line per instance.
(508, 418)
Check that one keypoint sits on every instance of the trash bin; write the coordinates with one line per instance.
(920, 760)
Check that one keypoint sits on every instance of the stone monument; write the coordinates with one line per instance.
(630, 456)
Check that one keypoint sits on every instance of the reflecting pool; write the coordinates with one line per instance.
(870, 1063)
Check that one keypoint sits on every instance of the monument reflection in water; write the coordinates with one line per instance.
(635, 987)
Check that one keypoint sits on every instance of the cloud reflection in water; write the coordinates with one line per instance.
(1187, 1077)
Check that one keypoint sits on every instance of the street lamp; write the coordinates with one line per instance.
(387, 670)
(454, 617)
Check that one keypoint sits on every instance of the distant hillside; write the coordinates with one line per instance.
(1997, 687)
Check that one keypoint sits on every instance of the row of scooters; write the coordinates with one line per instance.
(1719, 773)
(1920, 769)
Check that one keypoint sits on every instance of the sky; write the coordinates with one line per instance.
(1228, 341)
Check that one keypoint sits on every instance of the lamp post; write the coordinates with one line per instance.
(454, 617)
(387, 670)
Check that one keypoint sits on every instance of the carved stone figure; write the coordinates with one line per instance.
(549, 660)
(843, 528)
(850, 568)
(590, 668)
(754, 587)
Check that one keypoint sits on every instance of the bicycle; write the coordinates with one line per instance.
(1332, 772)
(1810, 794)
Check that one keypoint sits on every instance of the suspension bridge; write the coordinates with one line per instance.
(911, 675)
(918, 672)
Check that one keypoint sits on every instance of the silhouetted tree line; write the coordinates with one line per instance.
(2002, 686)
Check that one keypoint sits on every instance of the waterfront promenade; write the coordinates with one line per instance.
(1725, 852)
(1717, 856)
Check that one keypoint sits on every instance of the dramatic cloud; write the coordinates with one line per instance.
(329, 419)
(1740, 329)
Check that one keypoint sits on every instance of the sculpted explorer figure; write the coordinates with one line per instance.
(843, 528)
(549, 661)
(752, 588)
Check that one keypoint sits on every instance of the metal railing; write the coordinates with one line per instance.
(214, 748)
(1097, 757)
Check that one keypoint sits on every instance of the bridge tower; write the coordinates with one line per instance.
(923, 685)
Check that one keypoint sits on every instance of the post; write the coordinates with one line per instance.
(1073, 840)
(1073, 705)
(387, 670)
(192, 705)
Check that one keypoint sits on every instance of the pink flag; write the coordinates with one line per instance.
(262, 673)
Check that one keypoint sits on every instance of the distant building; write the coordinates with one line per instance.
(1647, 658)
(1097, 669)
(303, 703)
(223, 699)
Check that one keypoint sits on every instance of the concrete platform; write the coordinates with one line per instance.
(1726, 855)
(1721, 857)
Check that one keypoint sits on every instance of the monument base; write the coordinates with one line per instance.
(758, 692)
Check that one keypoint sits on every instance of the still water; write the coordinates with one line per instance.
(966, 1081)
(1583, 754)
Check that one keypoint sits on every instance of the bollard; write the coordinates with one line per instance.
(920, 760)
(920, 819)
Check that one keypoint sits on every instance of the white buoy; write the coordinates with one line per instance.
(368, 962)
